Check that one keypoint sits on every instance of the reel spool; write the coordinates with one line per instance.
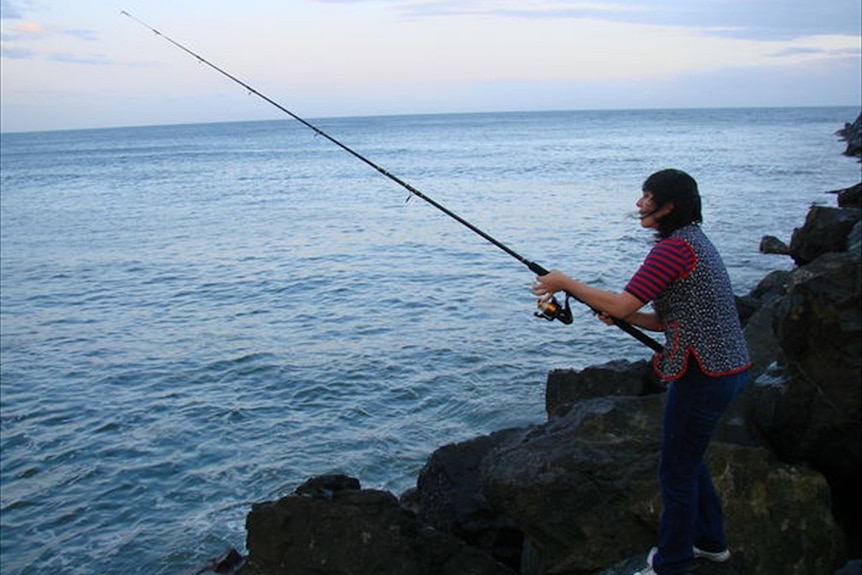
(551, 310)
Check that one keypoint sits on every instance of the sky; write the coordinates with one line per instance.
(71, 65)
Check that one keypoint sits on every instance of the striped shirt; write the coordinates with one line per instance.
(670, 259)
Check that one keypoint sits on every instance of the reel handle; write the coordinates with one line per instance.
(551, 309)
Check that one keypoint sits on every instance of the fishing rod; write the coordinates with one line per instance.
(549, 310)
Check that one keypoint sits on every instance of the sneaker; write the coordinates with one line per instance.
(648, 570)
(719, 557)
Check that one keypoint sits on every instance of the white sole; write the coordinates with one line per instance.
(719, 557)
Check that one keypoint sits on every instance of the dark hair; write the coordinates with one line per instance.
(678, 187)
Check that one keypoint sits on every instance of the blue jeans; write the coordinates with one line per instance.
(691, 510)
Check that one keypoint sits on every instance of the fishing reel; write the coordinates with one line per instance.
(551, 310)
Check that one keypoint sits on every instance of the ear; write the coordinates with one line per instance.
(665, 210)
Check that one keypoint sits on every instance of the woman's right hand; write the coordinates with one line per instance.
(605, 318)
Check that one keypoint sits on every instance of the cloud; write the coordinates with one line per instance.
(81, 34)
(814, 51)
(15, 53)
(70, 58)
(24, 31)
(27, 31)
(761, 20)
(770, 19)
(22, 39)
(12, 10)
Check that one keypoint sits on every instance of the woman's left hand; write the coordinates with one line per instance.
(549, 284)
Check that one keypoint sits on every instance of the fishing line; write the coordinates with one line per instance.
(550, 310)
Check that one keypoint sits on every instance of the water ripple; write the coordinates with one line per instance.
(196, 318)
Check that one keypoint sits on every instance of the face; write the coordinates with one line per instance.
(649, 215)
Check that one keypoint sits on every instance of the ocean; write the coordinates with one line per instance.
(199, 317)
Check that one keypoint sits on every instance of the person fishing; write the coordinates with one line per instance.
(705, 360)
(685, 278)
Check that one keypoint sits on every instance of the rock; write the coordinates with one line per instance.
(231, 563)
(746, 306)
(326, 486)
(759, 332)
(819, 326)
(772, 245)
(825, 230)
(734, 566)
(778, 516)
(448, 497)
(617, 377)
(850, 197)
(583, 488)
(854, 239)
(736, 426)
(851, 568)
(773, 285)
(852, 134)
(807, 407)
(803, 426)
(356, 532)
(763, 347)
(807, 396)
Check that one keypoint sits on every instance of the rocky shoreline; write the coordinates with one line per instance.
(578, 494)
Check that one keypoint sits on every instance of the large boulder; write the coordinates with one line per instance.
(854, 239)
(850, 197)
(852, 134)
(773, 245)
(809, 407)
(448, 497)
(825, 230)
(617, 377)
(756, 316)
(803, 427)
(583, 488)
(341, 530)
(819, 326)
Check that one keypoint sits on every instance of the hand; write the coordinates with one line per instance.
(605, 318)
(547, 285)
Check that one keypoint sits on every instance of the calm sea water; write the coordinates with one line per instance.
(195, 318)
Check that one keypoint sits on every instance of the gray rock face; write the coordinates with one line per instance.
(583, 486)
(825, 230)
(584, 489)
(619, 377)
(351, 532)
(852, 134)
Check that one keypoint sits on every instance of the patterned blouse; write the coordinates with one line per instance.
(685, 278)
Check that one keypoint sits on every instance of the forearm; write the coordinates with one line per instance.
(645, 320)
(623, 305)
(619, 305)
(608, 302)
